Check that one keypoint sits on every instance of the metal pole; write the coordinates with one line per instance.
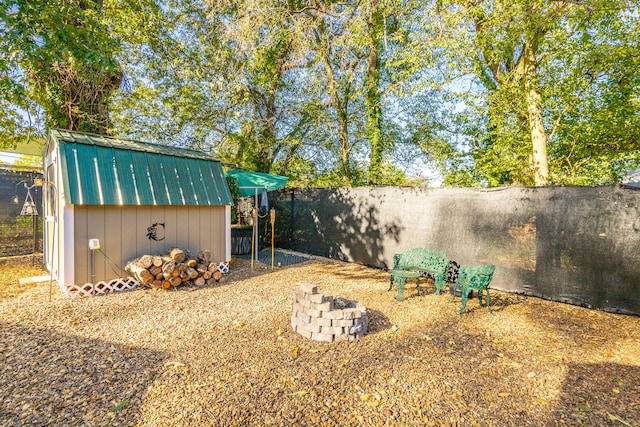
(35, 235)
(93, 274)
(273, 222)
(256, 222)
(253, 235)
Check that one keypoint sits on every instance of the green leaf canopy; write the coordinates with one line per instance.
(248, 181)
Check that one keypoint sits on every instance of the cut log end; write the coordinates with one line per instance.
(205, 255)
(166, 272)
(178, 255)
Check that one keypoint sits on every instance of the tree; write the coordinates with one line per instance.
(282, 86)
(351, 41)
(375, 31)
(271, 60)
(508, 38)
(594, 139)
(60, 55)
(219, 76)
(337, 57)
(516, 73)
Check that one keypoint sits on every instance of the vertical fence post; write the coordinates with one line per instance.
(34, 222)
(291, 216)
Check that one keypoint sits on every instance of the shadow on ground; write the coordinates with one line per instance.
(91, 381)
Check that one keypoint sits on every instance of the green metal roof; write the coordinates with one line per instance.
(102, 170)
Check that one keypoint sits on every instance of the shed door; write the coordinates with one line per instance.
(50, 201)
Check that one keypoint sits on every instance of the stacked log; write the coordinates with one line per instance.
(174, 269)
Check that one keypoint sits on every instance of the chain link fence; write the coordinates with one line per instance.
(20, 213)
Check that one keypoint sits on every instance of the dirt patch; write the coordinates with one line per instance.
(226, 355)
(13, 268)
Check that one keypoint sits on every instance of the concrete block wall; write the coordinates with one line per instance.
(325, 318)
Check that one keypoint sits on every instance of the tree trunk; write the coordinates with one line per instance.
(374, 109)
(341, 107)
(539, 163)
(343, 124)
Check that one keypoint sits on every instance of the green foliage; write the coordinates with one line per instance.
(338, 93)
(391, 175)
(336, 178)
(261, 84)
(60, 56)
(120, 406)
(585, 56)
(13, 125)
(24, 162)
(597, 138)
(301, 172)
(235, 195)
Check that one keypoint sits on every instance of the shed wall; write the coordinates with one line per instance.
(127, 232)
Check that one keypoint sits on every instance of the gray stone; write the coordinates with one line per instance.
(322, 337)
(309, 288)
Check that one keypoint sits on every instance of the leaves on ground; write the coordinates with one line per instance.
(209, 356)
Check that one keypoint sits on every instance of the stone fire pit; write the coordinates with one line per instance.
(325, 318)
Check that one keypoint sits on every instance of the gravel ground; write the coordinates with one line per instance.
(226, 355)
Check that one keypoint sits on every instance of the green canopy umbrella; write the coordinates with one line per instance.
(251, 183)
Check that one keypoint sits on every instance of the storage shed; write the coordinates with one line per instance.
(109, 200)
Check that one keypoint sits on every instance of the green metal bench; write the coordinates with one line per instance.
(475, 278)
(413, 263)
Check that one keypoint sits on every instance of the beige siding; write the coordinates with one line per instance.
(128, 221)
(123, 235)
(170, 229)
(182, 228)
(218, 222)
(193, 223)
(116, 247)
(66, 249)
(143, 221)
(80, 243)
(96, 229)
(205, 231)
(157, 217)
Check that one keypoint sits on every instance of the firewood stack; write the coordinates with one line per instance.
(174, 269)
